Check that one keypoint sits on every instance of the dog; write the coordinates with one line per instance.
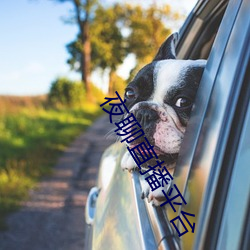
(161, 96)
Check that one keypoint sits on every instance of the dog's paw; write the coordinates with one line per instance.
(127, 162)
(145, 189)
(156, 197)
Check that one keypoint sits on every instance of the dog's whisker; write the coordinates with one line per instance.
(117, 138)
(111, 131)
(116, 119)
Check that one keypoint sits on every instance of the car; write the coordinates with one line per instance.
(212, 171)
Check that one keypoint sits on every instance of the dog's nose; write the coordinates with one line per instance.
(146, 117)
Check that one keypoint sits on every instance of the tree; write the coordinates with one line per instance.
(148, 31)
(108, 48)
(119, 30)
(83, 15)
(108, 45)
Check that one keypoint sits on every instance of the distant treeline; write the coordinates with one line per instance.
(108, 34)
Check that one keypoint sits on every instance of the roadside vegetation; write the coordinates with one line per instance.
(34, 131)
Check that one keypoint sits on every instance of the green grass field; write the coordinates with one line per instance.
(31, 139)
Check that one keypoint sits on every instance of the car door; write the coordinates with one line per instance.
(121, 220)
(208, 166)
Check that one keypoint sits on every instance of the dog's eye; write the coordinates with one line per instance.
(183, 102)
(130, 94)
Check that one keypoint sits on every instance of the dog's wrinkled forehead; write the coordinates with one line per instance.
(166, 80)
(156, 80)
(170, 75)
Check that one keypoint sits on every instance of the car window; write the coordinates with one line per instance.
(202, 21)
(205, 142)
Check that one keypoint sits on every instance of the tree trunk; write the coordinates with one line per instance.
(86, 58)
(111, 82)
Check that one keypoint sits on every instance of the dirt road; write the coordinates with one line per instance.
(53, 218)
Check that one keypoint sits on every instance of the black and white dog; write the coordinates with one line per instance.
(161, 97)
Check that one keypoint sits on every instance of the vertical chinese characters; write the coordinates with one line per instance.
(157, 175)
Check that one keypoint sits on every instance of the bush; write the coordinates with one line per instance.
(97, 94)
(66, 93)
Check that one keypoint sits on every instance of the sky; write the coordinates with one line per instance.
(32, 44)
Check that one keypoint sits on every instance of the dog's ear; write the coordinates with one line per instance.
(167, 49)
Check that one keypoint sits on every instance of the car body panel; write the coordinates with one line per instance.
(117, 223)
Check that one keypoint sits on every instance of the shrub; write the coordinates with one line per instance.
(66, 93)
(97, 94)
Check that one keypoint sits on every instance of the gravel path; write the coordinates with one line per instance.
(53, 218)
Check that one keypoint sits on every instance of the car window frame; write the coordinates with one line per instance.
(239, 103)
(196, 25)
(193, 139)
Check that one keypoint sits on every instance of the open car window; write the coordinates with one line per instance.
(211, 35)
(202, 172)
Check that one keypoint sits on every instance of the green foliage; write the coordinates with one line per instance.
(116, 84)
(82, 15)
(148, 30)
(31, 139)
(74, 48)
(119, 85)
(119, 30)
(66, 93)
(107, 43)
(97, 95)
(108, 48)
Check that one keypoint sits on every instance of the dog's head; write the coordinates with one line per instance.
(161, 97)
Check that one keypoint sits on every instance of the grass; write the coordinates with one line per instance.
(31, 139)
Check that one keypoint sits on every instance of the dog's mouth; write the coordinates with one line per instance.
(156, 150)
(162, 156)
